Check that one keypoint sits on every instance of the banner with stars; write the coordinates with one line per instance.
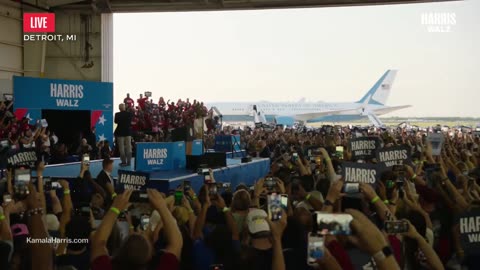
(65, 95)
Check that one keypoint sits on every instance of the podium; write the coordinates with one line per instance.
(227, 143)
(195, 148)
(160, 156)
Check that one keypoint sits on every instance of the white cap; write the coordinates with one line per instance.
(256, 221)
(52, 222)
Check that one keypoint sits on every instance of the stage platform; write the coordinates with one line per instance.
(235, 173)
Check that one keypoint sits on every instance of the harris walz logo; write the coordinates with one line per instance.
(439, 22)
(41, 27)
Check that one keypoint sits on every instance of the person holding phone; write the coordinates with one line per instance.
(416, 243)
(265, 242)
(136, 250)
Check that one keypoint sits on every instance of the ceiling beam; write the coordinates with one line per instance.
(215, 5)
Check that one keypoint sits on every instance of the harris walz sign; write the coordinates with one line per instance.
(22, 158)
(395, 155)
(367, 173)
(364, 147)
(133, 180)
(469, 225)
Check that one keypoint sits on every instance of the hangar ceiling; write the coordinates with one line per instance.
(106, 6)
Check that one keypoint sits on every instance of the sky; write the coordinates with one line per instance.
(320, 54)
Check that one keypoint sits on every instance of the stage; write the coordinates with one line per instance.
(235, 173)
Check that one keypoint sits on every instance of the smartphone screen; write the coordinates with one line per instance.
(334, 224)
(212, 190)
(22, 176)
(86, 160)
(144, 221)
(226, 185)
(55, 185)
(284, 201)
(294, 157)
(351, 188)
(274, 203)
(97, 222)
(339, 152)
(397, 226)
(269, 183)
(315, 248)
(206, 176)
(143, 197)
(7, 198)
(178, 198)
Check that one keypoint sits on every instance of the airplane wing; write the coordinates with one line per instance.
(309, 116)
(390, 109)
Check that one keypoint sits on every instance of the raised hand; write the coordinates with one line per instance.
(121, 201)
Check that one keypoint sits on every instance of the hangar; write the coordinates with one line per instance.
(81, 46)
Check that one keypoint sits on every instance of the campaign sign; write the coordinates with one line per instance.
(194, 148)
(360, 172)
(395, 155)
(25, 158)
(163, 156)
(133, 180)
(33, 95)
(227, 143)
(364, 147)
(436, 139)
(469, 225)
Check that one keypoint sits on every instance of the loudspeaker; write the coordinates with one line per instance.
(216, 159)
(209, 160)
(194, 162)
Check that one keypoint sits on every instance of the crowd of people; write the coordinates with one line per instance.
(224, 227)
(153, 121)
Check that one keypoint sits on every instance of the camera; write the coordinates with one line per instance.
(22, 178)
(397, 226)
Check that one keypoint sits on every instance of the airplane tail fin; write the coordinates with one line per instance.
(380, 91)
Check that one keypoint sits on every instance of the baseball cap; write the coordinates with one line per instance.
(52, 222)
(257, 221)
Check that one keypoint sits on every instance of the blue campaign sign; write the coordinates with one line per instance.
(32, 95)
(50, 94)
(160, 156)
(227, 143)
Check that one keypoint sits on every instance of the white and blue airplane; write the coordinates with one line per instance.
(371, 105)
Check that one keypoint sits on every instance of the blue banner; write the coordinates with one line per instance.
(227, 143)
(160, 156)
(32, 95)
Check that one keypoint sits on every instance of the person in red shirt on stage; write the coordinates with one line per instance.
(141, 101)
(129, 102)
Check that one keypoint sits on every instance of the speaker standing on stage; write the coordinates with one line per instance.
(123, 134)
